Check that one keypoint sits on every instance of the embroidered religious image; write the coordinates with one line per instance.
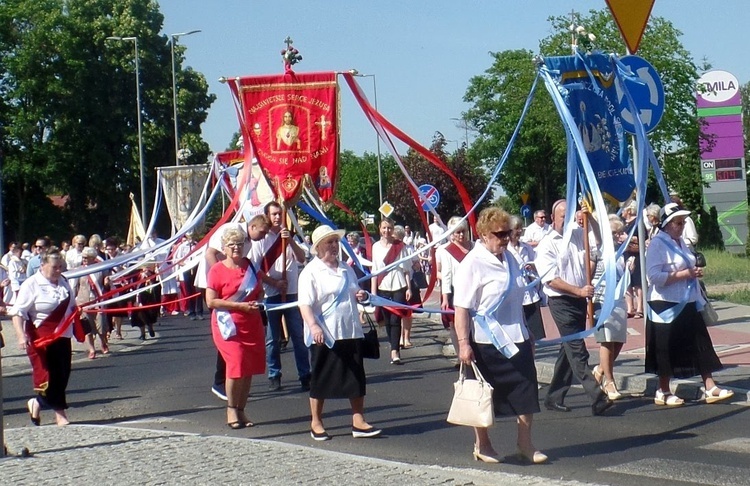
(287, 135)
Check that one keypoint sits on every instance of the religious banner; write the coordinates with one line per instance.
(258, 192)
(183, 188)
(292, 122)
(588, 86)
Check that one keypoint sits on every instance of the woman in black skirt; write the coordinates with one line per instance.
(677, 341)
(327, 297)
(489, 286)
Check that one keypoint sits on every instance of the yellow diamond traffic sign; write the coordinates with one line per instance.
(386, 209)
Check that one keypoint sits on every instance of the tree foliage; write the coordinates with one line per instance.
(69, 112)
(470, 173)
(537, 162)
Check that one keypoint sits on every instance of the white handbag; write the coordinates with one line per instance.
(472, 400)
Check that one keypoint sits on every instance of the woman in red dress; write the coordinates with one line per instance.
(234, 294)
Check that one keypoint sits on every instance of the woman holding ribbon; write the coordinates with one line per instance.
(43, 317)
(393, 285)
(677, 341)
(488, 298)
(234, 293)
(327, 298)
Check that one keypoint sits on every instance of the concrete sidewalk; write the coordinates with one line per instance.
(82, 455)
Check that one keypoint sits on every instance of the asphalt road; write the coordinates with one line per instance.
(164, 384)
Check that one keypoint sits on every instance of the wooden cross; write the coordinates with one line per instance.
(323, 124)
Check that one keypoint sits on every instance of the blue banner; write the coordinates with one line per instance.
(587, 83)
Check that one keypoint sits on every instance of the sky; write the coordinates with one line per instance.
(421, 53)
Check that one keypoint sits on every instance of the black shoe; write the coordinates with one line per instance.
(322, 436)
(556, 407)
(601, 406)
(151, 331)
(305, 384)
(274, 384)
(283, 343)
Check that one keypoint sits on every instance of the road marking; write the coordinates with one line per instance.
(693, 472)
(740, 444)
(152, 420)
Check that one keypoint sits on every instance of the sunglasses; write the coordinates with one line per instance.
(503, 235)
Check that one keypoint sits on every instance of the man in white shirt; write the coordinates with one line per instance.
(563, 273)
(280, 285)
(537, 230)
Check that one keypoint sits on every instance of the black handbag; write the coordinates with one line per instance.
(700, 259)
(371, 345)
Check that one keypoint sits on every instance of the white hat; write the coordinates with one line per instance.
(671, 211)
(320, 233)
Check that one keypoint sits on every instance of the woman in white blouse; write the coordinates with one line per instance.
(677, 341)
(327, 295)
(488, 298)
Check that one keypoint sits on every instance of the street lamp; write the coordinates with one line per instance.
(462, 123)
(172, 39)
(140, 127)
(354, 72)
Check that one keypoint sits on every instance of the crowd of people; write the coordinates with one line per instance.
(264, 288)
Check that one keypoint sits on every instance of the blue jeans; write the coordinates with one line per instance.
(295, 326)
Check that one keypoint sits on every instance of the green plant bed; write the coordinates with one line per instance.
(739, 296)
(725, 268)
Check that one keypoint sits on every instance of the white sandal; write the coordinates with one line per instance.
(668, 399)
(712, 397)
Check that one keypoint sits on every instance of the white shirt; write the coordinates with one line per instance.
(525, 254)
(448, 267)
(395, 279)
(661, 260)
(479, 284)
(38, 297)
(260, 248)
(534, 232)
(553, 261)
(436, 230)
(319, 286)
(689, 233)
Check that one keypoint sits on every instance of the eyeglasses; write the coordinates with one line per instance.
(503, 235)
(234, 245)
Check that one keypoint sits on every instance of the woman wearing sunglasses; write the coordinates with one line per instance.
(491, 330)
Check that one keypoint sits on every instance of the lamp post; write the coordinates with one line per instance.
(140, 125)
(463, 124)
(172, 39)
(354, 72)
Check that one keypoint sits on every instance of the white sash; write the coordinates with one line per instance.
(224, 320)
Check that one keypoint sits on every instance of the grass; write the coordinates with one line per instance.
(723, 270)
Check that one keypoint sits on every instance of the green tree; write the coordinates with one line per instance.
(471, 174)
(357, 185)
(69, 111)
(537, 163)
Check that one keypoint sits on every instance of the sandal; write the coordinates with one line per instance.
(598, 374)
(668, 399)
(237, 424)
(610, 389)
(92, 354)
(638, 315)
(717, 394)
(246, 422)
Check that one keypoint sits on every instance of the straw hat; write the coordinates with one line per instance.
(321, 233)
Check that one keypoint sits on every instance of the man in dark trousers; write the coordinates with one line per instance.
(563, 271)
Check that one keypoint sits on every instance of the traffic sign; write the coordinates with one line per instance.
(386, 209)
(648, 95)
(428, 194)
(526, 211)
(631, 17)
(524, 197)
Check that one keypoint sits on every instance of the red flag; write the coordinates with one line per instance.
(292, 122)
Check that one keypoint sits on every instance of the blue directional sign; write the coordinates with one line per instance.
(428, 194)
(526, 211)
(648, 95)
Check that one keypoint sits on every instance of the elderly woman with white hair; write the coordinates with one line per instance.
(327, 296)
(448, 257)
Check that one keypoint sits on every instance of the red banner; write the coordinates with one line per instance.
(292, 122)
